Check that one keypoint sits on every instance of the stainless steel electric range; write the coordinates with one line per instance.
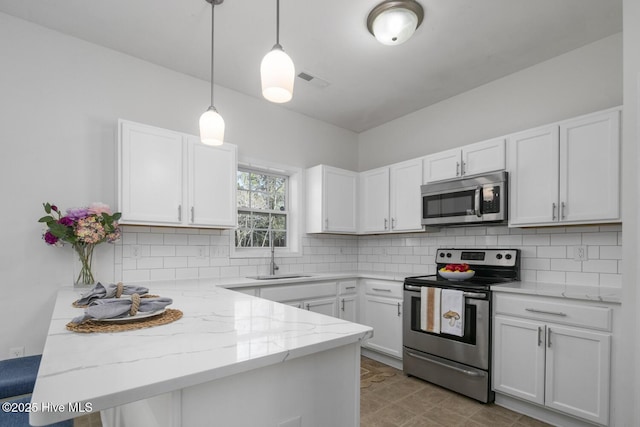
(459, 363)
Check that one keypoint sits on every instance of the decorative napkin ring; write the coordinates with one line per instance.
(135, 304)
(119, 289)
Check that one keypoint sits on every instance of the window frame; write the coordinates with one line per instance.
(294, 211)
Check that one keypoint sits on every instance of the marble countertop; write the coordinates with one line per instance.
(587, 293)
(221, 333)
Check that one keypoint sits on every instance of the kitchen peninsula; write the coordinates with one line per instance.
(231, 360)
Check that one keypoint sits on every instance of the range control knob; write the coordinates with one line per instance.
(448, 254)
(508, 256)
(441, 254)
(499, 256)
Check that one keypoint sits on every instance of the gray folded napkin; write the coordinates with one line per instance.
(100, 291)
(114, 308)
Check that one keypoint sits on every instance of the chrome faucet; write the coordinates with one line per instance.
(272, 266)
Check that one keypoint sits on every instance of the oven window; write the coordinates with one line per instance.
(460, 203)
(469, 322)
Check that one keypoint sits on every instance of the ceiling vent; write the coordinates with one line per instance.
(313, 80)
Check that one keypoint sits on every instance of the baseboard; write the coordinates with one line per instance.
(541, 414)
(382, 358)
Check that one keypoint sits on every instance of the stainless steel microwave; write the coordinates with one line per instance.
(468, 201)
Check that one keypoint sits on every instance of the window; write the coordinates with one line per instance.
(263, 211)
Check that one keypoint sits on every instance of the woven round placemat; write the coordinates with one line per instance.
(89, 326)
(85, 306)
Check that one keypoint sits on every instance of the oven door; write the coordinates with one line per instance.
(472, 349)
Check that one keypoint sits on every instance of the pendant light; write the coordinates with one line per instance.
(393, 22)
(211, 123)
(277, 70)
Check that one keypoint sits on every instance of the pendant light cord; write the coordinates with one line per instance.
(277, 22)
(213, 7)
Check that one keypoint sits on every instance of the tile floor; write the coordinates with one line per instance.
(401, 401)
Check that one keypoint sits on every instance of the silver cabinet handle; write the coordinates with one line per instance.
(457, 168)
(464, 167)
(179, 212)
(381, 290)
(549, 337)
(562, 210)
(386, 222)
(555, 313)
(342, 304)
(326, 223)
(192, 214)
(393, 223)
(308, 306)
(399, 313)
(553, 211)
(539, 336)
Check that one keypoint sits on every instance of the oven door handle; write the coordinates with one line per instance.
(465, 294)
(453, 368)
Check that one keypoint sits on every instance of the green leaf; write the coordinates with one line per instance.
(116, 216)
(59, 230)
(46, 219)
(47, 207)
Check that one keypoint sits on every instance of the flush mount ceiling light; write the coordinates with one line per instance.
(394, 21)
(211, 123)
(277, 70)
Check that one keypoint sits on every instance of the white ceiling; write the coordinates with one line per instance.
(461, 44)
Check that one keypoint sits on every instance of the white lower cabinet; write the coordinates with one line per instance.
(546, 351)
(382, 310)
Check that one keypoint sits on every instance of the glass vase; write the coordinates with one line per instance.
(85, 253)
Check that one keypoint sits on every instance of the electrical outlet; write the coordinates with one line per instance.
(202, 253)
(16, 352)
(580, 253)
(136, 252)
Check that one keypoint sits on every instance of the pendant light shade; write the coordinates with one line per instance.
(277, 71)
(393, 22)
(211, 122)
(211, 127)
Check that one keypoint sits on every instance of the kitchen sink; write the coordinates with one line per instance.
(277, 276)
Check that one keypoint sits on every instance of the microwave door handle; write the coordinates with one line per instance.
(478, 206)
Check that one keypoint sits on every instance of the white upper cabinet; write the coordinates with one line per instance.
(374, 201)
(212, 184)
(472, 159)
(169, 178)
(332, 198)
(390, 198)
(567, 173)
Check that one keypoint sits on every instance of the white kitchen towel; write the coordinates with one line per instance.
(452, 306)
(430, 309)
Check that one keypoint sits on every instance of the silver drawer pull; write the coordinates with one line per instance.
(382, 290)
(350, 287)
(555, 313)
(453, 368)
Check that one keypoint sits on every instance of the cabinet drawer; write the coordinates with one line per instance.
(554, 310)
(384, 288)
(347, 287)
(299, 292)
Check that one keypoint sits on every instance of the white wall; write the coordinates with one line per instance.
(629, 376)
(581, 81)
(59, 104)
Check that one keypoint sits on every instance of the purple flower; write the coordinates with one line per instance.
(66, 221)
(54, 208)
(77, 213)
(50, 238)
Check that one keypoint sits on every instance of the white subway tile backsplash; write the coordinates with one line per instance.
(547, 253)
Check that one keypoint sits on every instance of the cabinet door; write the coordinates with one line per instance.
(519, 358)
(326, 306)
(590, 168)
(374, 195)
(212, 184)
(340, 200)
(406, 203)
(578, 372)
(384, 315)
(347, 307)
(533, 180)
(151, 175)
(443, 165)
(483, 157)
